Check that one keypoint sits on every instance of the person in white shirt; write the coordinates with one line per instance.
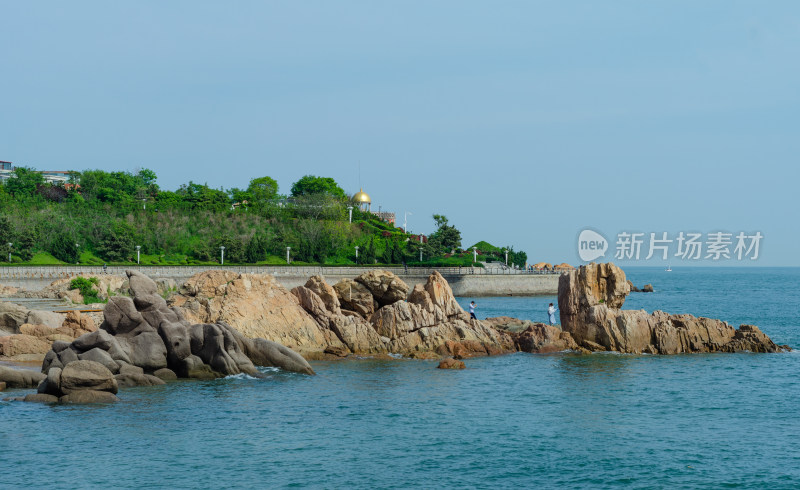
(472, 306)
(551, 312)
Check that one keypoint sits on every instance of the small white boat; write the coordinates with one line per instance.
(668, 269)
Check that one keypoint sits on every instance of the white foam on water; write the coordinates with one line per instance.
(239, 376)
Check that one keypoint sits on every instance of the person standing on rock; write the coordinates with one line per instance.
(551, 312)
(472, 306)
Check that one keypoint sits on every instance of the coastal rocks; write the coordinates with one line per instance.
(129, 380)
(13, 316)
(541, 338)
(373, 317)
(589, 300)
(79, 382)
(647, 288)
(354, 296)
(34, 340)
(385, 287)
(537, 338)
(142, 340)
(107, 285)
(20, 378)
(451, 363)
(83, 375)
(15, 346)
(256, 304)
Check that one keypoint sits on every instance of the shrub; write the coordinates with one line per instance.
(87, 288)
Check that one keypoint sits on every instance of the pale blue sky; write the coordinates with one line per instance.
(523, 122)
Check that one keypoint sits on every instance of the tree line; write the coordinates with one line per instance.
(100, 217)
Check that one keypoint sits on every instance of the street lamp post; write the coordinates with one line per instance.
(144, 203)
(287, 254)
(350, 211)
(138, 250)
(356, 254)
(405, 221)
(474, 254)
(420, 254)
(506, 251)
(221, 255)
(78, 251)
(9, 251)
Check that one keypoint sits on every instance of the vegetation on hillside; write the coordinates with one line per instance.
(101, 217)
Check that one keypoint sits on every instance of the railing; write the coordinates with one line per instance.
(56, 272)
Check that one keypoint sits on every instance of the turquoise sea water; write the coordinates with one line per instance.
(522, 420)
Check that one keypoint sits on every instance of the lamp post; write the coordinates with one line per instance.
(221, 255)
(144, 203)
(138, 250)
(356, 254)
(506, 251)
(405, 221)
(9, 251)
(287, 254)
(474, 254)
(350, 211)
(420, 254)
(78, 251)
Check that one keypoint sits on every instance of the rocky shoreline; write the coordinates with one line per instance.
(220, 323)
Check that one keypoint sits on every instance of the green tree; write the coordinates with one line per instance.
(63, 248)
(263, 189)
(24, 182)
(26, 241)
(367, 256)
(446, 237)
(117, 243)
(311, 184)
(6, 231)
(256, 249)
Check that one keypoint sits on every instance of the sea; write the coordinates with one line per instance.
(558, 420)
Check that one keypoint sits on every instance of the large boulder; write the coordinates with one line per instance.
(86, 375)
(12, 316)
(354, 296)
(384, 286)
(325, 292)
(256, 305)
(130, 379)
(590, 299)
(20, 378)
(216, 346)
(84, 397)
(15, 346)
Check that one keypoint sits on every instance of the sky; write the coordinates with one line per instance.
(523, 122)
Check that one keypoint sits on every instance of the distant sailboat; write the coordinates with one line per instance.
(668, 269)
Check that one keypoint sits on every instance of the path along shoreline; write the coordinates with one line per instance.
(464, 281)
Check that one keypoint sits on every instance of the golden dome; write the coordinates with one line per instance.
(362, 196)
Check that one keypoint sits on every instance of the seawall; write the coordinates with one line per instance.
(464, 281)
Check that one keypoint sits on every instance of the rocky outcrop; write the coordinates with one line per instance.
(256, 305)
(354, 296)
(451, 363)
(536, 338)
(590, 299)
(430, 321)
(34, 341)
(142, 335)
(385, 287)
(13, 316)
(20, 378)
(107, 285)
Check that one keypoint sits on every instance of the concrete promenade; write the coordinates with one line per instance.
(465, 281)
